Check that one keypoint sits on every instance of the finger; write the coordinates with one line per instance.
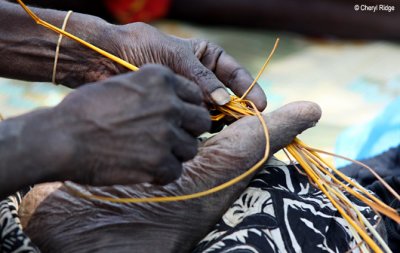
(184, 146)
(289, 121)
(188, 91)
(150, 75)
(168, 172)
(215, 92)
(235, 77)
(284, 124)
(158, 74)
(229, 71)
(195, 119)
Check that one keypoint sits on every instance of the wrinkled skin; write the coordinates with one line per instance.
(101, 133)
(31, 50)
(205, 63)
(58, 221)
(115, 122)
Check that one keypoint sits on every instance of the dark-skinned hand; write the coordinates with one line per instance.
(132, 128)
(205, 63)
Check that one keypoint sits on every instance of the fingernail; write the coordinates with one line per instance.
(220, 96)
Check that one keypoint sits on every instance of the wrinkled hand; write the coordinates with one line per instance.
(161, 227)
(205, 63)
(132, 128)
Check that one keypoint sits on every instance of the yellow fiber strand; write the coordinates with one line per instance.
(347, 205)
(343, 176)
(364, 221)
(293, 163)
(262, 69)
(77, 39)
(387, 186)
(330, 188)
(322, 187)
(314, 161)
(238, 107)
(375, 203)
(360, 243)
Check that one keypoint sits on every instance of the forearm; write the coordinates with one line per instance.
(33, 149)
(28, 50)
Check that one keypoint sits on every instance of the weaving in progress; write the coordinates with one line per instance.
(361, 210)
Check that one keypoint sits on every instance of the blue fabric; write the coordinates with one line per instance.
(368, 140)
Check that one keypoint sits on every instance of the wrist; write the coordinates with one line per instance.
(78, 64)
(31, 48)
(46, 145)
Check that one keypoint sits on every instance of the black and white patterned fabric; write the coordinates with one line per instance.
(12, 238)
(281, 211)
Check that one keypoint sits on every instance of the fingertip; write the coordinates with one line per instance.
(314, 111)
(307, 110)
(220, 96)
(301, 114)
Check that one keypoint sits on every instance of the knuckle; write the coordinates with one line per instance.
(212, 56)
(194, 88)
(162, 85)
(199, 46)
(141, 26)
(73, 102)
(234, 75)
(162, 71)
(208, 53)
(172, 106)
(196, 91)
(197, 42)
(177, 171)
(205, 122)
(160, 159)
(214, 50)
(125, 77)
(200, 72)
(206, 79)
(191, 149)
(157, 74)
(168, 173)
(165, 134)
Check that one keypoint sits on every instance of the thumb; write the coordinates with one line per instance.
(289, 121)
(239, 146)
(244, 139)
(214, 90)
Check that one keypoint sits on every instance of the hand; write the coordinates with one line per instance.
(205, 63)
(133, 128)
(162, 227)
